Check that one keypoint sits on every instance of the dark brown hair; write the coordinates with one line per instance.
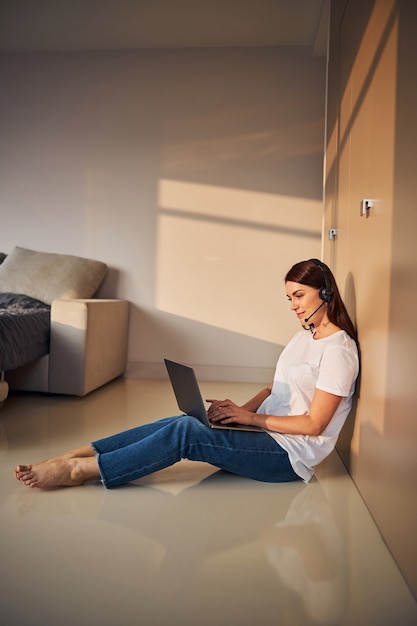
(314, 274)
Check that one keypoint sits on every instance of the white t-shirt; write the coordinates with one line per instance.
(330, 364)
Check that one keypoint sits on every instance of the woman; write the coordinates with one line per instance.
(302, 412)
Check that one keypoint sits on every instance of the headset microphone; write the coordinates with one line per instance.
(314, 312)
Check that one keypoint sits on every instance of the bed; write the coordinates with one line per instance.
(55, 337)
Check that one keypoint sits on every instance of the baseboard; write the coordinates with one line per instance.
(157, 371)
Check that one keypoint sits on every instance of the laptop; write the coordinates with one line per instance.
(187, 392)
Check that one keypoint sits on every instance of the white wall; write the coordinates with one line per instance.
(195, 174)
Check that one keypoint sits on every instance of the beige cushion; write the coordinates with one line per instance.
(48, 277)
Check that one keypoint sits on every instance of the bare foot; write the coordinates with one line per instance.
(59, 473)
(85, 451)
(78, 453)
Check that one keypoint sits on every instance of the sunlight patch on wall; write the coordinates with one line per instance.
(240, 206)
(222, 254)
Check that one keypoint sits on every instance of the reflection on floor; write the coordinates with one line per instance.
(187, 546)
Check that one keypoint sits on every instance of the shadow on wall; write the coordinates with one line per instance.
(257, 124)
(110, 284)
(163, 334)
(344, 443)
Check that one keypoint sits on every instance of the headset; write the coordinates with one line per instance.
(326, 293)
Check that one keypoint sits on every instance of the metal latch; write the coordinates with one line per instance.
(366, 205)
(332, 234)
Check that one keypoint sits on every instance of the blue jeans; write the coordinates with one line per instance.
(140, 451)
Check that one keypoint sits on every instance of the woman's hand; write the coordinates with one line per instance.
(227, 412)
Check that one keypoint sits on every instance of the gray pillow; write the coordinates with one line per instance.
(47, 276)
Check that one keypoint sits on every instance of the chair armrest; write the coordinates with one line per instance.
(88, 344)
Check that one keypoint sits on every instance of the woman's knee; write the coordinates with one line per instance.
(191, 424)
(190, 430)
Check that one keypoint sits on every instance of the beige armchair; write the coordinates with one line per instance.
(88, 348)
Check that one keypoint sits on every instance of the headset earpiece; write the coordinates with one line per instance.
(326, 292)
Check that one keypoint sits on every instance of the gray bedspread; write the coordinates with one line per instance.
(24, 330)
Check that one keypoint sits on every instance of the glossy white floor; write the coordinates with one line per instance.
(187, 546)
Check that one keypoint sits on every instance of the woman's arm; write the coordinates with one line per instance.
(322, 409)
(254, 403)
(251, 405)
